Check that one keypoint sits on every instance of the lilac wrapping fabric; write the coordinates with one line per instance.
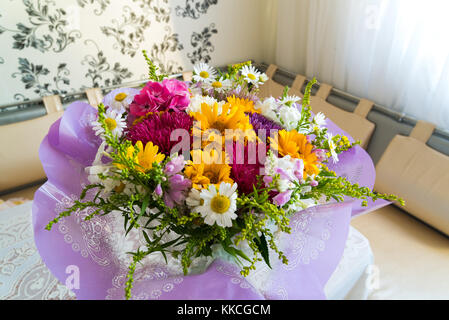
(314, 247)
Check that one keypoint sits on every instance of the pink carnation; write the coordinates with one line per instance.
(170, 94)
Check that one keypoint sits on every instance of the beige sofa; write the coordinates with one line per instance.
(21, 170)
(412, 258)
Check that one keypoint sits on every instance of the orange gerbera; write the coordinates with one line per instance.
(296, 145)
(245, 104)
(206, 168)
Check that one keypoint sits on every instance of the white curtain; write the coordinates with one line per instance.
(394, 52)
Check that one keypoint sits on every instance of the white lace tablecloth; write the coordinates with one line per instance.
(24, 276)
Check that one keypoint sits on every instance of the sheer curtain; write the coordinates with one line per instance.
(394, 52)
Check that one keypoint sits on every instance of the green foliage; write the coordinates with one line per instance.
(256, 212)
(152, 69)
(306, 110)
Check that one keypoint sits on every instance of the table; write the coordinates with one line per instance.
(23, 275)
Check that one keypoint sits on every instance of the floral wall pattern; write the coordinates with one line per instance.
(62, 46)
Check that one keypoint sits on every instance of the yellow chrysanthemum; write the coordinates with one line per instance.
(145, 157)
(228, 118)
(245, 104)
(295, 144)
(206, 168)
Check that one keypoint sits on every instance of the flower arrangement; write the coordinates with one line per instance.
(200, 165)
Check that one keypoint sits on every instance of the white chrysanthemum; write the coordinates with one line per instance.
(130, 188)
(114, 122)
(204, 73)
(289, 100)
(250, 74)
(284, 167)
(98, 167)
(330, 140)
(194, 198)
(120, 99)
(219, 206)
(267, 108)
(263, 78)
(289, 117)
(318, 122)
(301, 204)
(197, 100)
(220, 85)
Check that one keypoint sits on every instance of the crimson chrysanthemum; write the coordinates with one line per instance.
(247, 163)
(157, 128)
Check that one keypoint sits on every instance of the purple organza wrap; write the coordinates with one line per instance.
(314, 248)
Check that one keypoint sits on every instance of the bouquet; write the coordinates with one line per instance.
(205, 169)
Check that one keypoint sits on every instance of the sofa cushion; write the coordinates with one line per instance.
(354, 123)
(19, 147)
(418, 174)
(273, 89)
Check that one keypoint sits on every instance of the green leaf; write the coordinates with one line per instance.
(91, 186)
(146, 237)
(233, 251)
(285, 92)
(165, 256)
(263, 248)
(145, 203)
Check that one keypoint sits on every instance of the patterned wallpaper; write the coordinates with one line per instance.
(60, 46)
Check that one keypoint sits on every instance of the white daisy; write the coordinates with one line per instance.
(331, 143)
(220, 85)
(250, 74)
(289, 100)
(114, 121)
(120, 99)
(204, 73)
(219, 206)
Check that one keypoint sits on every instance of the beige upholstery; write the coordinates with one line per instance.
(27, 193)
(19, 146)
(354, 123)
(94, 96)
(412, 258)
(187, 76)
(271, 87)
(418, 174)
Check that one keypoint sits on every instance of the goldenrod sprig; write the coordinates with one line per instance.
(152, 69)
